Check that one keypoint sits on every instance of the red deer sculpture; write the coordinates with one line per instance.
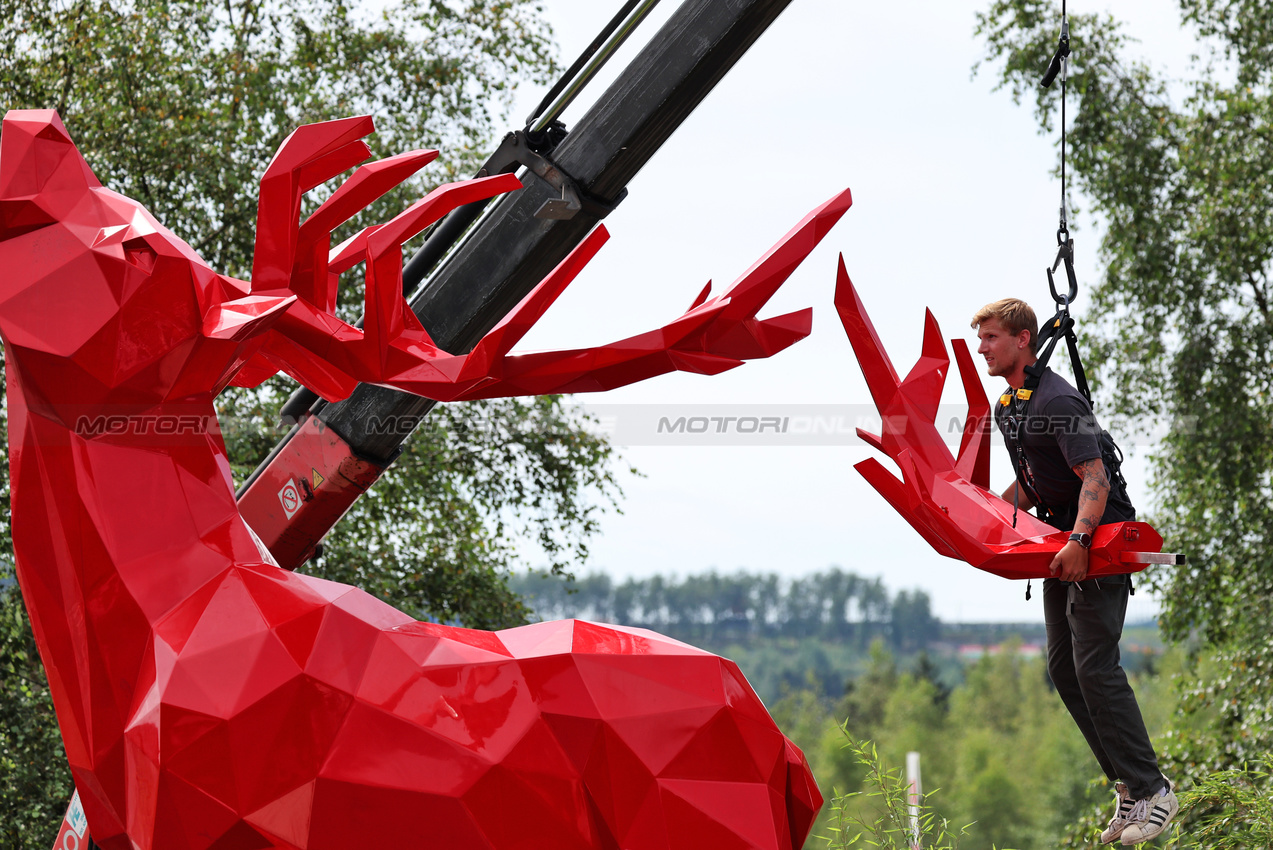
(209, 699)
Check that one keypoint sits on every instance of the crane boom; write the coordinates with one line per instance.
(337, 451)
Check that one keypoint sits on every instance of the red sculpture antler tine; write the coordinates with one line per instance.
(311, 155)
(367, 184)
(908, 408)
(698, 341)
(737, 333)
(499, 341)
(923, 385)
(775, 334)
(905, 501)
(330, 356)
(974, 449)
(581, 370)
(877, 368)
(591, 370)
(310, 279)
(384, 316)
(872, 440)
(351, 252)
(442, 200)
(702, 297)
(759, 283)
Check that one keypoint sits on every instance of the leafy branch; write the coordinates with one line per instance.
(892, 825)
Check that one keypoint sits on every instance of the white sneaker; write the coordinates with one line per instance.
(1148, 818)
(1123, 804)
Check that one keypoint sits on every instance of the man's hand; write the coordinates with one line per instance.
(1070, 564)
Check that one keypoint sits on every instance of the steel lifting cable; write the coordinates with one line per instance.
(1063, 54)
(1062, 325)
(1060, 65)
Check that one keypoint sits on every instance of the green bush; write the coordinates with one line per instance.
(1228, 810)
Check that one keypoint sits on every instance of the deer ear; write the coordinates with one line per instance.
(242, 318)
(42, 175)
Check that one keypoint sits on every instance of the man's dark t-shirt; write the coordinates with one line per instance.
(1057, 433)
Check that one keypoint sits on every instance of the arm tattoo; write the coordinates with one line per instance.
(1095, 492)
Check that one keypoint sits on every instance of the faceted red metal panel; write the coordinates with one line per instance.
(208, 699)
(947, 498)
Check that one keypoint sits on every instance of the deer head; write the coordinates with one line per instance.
(113, 306)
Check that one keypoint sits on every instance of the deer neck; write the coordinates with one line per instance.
(114, 525)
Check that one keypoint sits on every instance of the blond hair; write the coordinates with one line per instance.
(1015, 315)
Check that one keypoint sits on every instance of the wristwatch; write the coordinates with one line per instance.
(1082, 538)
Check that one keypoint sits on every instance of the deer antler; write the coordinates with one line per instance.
(393, 349)
(947, 499)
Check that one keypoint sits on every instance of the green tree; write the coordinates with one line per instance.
(991, 709)
(1181, 323)
(35, 785)
(915, 720)
(913, 624)
(180, 104)
(1001, 755)
(864, 709)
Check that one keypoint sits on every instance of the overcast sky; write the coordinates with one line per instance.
(954, 206)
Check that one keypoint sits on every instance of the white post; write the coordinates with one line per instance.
(914, 794)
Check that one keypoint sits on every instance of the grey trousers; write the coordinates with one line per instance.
(1085, 622)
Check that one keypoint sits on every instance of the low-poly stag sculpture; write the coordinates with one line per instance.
(209, 699)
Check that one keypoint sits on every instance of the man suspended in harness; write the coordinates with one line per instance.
(1056, 446)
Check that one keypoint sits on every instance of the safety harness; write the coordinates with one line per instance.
(1018, 403)
(1059, 326)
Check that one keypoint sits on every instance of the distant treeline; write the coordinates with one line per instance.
(715, 607)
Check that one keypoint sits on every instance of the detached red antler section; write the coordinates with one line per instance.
(947, 499)
(208, 699)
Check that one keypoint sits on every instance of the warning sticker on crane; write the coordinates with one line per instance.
(74, 826)
(318, 478)
(290, 496)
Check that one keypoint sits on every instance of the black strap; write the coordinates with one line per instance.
(1021, 466)
(1076, 363)
(1059, 326)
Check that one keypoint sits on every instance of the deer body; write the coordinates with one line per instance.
(209, 699)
